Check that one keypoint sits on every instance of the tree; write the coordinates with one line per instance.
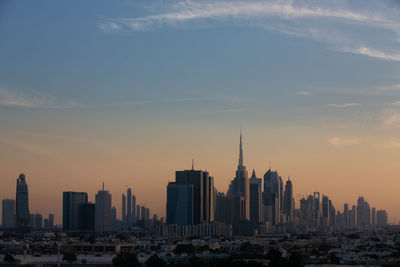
(125, 260)
(155, 261)
(69, 257)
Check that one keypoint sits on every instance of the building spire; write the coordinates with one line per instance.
(241, 149)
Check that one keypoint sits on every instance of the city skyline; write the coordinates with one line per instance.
(235, 188)
(126, 93)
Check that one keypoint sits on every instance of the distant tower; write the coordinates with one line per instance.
(22, 203)
(240, 185)
(129, 207)
(103, 211)
(123, 215)
(8, 213)
(255, 198)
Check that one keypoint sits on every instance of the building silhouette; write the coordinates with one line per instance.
(240, 185)
(103, 211)
(255, 198)
(22, 203)
(8, 214)
(288, 202)
(272, 197)
(74, 211)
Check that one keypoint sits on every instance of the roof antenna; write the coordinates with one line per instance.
(103, 185)
(192, 164)
(270, 165)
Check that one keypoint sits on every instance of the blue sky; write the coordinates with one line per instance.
(76, 72)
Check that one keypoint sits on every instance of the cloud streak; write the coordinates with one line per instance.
(344, 105)
(339, 142)
(324, 21)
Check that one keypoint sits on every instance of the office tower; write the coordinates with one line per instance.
(51, 220)
(373, 217)
(272, 196)
(103, 211)
(87, 219)
(73, 210)
(303, 211)
(230, 208)
(147, 217)
(363, 213)
(317, 209)
(46, 224)
(332, 217)
(123, 215)
(240, 185)
(38, 221)
(346, 215)
(8, 213)
(137, 212)
(113, 218)
(32, 221)
(310, 212)
(255, 198)
(288, 202)
(325, 210)
(353, 217)
(211, 193)
(381, 218)
(180, 204)
(133, 209)
(22, 203)
(129, 207)
(143, 213)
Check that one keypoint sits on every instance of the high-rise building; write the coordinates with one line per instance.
(317, 209)
(114, 218)
(123, 210)
(138, 212)
(180, 204)
(240, 185)
(288, 202)
(133, 209)
(87, 219)
(8, 213)
(346, 215)
(373, 217)
(272, 197)
(51, 220)
(381, 218)
(143, 213)
(22, 203)
(38, 221)
(103, 211)
(325, 210)
(363, 213)
(255, 198)
(129, 206)
(147, 217)
(73, 210)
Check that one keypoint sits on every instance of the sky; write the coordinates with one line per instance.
(128, 92)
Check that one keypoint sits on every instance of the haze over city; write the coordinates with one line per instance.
(127, 92)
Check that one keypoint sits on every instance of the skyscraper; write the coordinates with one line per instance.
(325, 210)
(129, 207)
(317, 209)
(133, 209)
(255, 198)
(240, 185)
(38, 221)
(73, 210)
(123, 215)
(180, 204)
(22, 203)
(103, 211)
(8, 213)
(288, 202)
(272, 196)
(381, 218)
(363, 213)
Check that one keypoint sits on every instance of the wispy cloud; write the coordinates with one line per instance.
(156, 101)
(324, 21)
(304, 93)
(27, 147)
(389, 87)
(393, 143)
(18, 98)
(338, 141)
(344, 105)
(390, 118)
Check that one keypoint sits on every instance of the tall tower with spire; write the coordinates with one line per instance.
(240, 184)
